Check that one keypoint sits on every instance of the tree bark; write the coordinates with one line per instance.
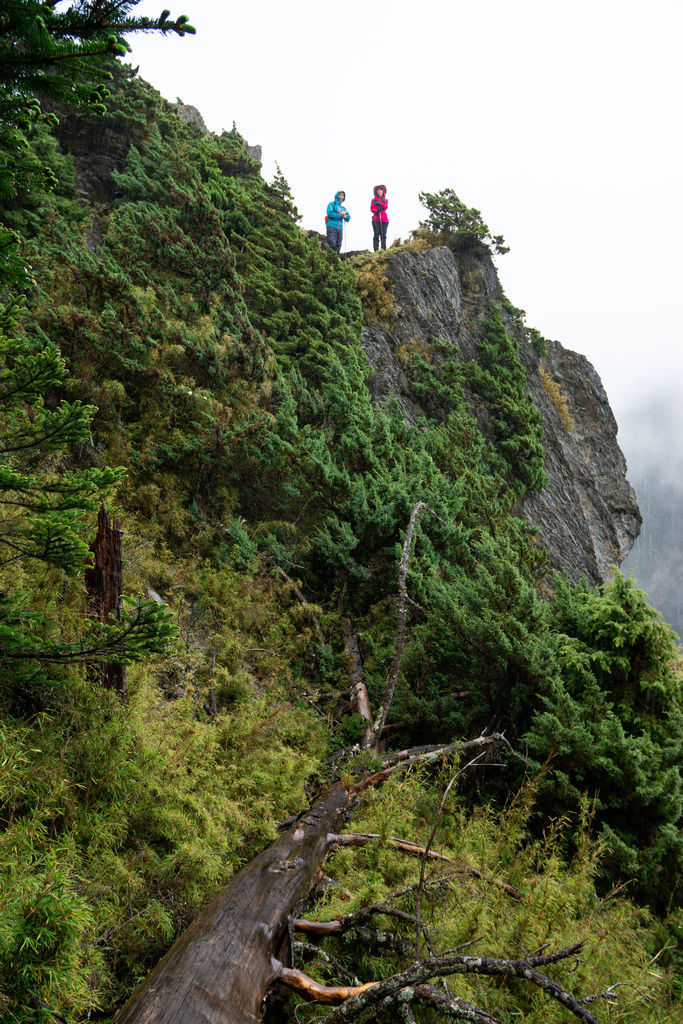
(104, 583)
(395, 668)
(219, 970)
(360, 701)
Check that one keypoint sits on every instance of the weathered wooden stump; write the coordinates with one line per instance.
(104, 583)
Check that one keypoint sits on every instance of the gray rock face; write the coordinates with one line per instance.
(98, 145)
(587, 516)
(190, 115)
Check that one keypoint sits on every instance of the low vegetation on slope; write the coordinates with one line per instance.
(266, 500)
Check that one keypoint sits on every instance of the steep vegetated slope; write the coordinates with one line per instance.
(269, 482)
(436, 300)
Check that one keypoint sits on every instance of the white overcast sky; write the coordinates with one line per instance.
(561, 122)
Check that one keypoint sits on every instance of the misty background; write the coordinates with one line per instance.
(651, 439)
(560, 123)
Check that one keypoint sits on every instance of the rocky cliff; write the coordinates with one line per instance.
(587, 515)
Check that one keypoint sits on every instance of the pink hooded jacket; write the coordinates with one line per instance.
(379, 204)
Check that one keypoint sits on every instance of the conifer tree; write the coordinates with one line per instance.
(57, 52)
(43, 514)
(462, 225)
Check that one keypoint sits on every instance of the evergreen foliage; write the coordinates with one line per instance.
(43, 506)
(266, 499)
(60, 54)
(461, 225)
(613, 730)
(499, 379)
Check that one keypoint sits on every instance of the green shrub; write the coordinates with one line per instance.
(613, 728)
(465, 906)
(461, 226)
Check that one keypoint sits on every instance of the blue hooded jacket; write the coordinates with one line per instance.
(335, 212)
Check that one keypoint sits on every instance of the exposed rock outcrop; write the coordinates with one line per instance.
(254, 151)
(190, 115)
(587, 515)
(98, 145)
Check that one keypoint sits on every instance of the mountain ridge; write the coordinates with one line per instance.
(313, 536)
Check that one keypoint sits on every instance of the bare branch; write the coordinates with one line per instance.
(452, 1006)
(609, 994)
(213, 707)
(402, 845)
(413, 757)
(357, 922)
(427, 754)
(387, 991)
(395, 667)
(430, 753)
(426, 855)
(505, 886)
(328, 995)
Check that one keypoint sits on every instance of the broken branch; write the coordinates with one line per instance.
(402, 845)
(395, 667)
(452, 1006)
(387, 991)
(328, 995)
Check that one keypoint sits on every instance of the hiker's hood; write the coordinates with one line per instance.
(339, 194)
(380, 188)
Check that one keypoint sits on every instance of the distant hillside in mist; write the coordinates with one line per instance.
(652, 440)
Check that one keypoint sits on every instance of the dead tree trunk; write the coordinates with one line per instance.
(395, 668)
(219, 970)
(104, 583)
(360, 702)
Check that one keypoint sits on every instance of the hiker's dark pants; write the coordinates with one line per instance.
(379, 231)
(334, 237)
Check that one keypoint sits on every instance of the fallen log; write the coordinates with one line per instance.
(219, 970)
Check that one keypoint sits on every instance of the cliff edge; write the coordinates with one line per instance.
(587, 516)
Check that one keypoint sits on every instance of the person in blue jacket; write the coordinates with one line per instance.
(336, 215)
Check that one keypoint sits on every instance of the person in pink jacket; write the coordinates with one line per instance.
(380, 219)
